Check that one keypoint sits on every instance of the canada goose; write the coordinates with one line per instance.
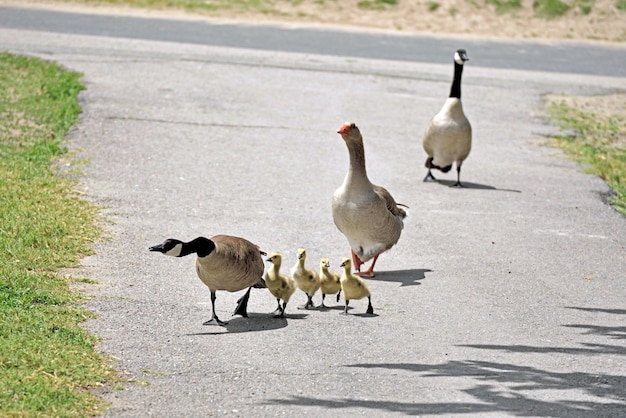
(366, 214)
(330, 281)
(224, 263)
(448, 137)
(306, 279)
(354, 287)
(279, 285)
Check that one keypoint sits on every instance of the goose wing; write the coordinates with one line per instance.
(390, 202)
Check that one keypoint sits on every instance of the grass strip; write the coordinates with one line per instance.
(596, 141)
(47, 361)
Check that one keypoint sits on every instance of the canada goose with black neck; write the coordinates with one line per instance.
(448, 137)
(224, 263)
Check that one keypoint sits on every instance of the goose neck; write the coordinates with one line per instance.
(356, 170)
(201, 245)
(455, 90)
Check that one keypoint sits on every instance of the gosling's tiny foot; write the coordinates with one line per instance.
(278, 313)
(307, 306)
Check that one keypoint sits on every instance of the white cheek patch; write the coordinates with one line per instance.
(175, 251)
(457, 58)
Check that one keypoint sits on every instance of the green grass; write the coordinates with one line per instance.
(505, 6)
(47, 362)
(598, 142)
(550, 9)
(432, 6)
(620, 5)
(376, 4)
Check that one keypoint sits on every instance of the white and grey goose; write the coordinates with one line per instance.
(224, 263)
(448, 137)
(365, 213)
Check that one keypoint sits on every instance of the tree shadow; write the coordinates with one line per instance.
(611, 332)
(476, 186)
(500, 388)
(587, 349)
(411, 277)
(602, 310)
(504, 388)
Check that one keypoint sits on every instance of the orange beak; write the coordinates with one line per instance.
(344, 129)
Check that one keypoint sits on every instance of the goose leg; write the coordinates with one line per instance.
(338, 295)
(458, 177)
(242, 304)
(429, 177)
(370, 308)
(309, 303)
(321, 305)
(345, 310)
(356, 261)
(370, 271)
(214, 319)
(279, 311)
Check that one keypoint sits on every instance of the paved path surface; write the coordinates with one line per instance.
(507, 298)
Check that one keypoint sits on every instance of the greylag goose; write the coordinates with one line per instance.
(365, 213)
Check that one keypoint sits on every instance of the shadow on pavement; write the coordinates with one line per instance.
(411, 277)
(477, 186)
(505, 388)
(254, 323)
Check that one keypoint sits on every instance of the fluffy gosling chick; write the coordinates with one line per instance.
(279, 285)
(330, 281)
(306, 279)
(353, 286)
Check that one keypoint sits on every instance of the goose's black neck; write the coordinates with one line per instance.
(455, 91)
(201, 245)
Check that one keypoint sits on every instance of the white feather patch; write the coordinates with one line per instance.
(175, 251)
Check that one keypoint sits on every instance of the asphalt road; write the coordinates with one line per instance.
(562, 57)
(506, 298)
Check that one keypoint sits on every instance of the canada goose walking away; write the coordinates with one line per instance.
(354, 287)
(279, 285)
(306, 279)
(448, 137)
(366, 214)
(224, 263)
(330, 281)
